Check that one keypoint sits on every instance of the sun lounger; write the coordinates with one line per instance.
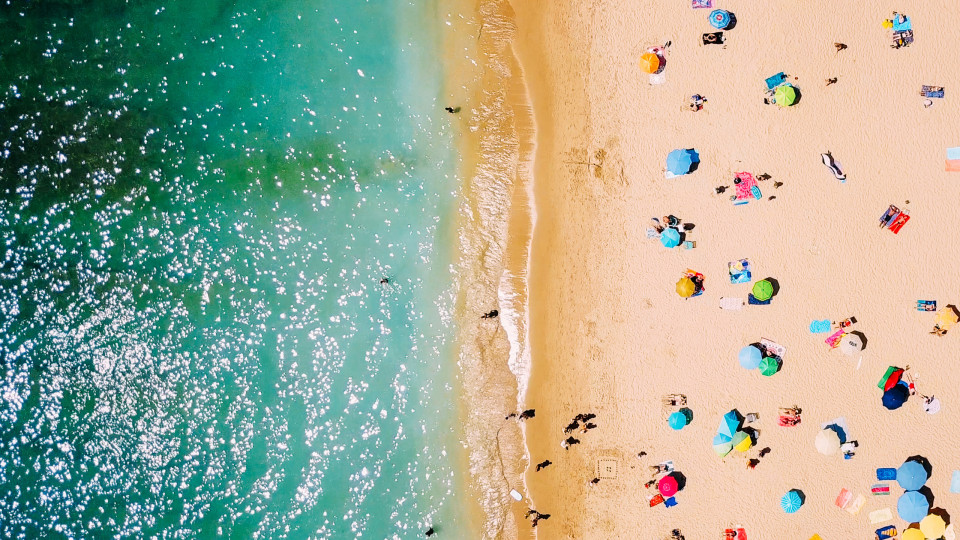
(886, 473)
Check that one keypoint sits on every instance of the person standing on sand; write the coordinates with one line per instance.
(594, 482)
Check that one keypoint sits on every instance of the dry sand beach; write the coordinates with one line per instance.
(609, 334)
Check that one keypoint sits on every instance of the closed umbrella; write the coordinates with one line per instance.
(680, 161)
(686, 287)
(827, 442)
(649, 62)
(791, 502)
(677, 420)
(769, 366)
(911, 475)
(742, 442)
(933, 526)
(763, 290)
(670, 237)
(895, 397)
(668, 486)
(722, 444)
(851, 344)
(912, 534)
(719, 19)
(912, 506)
(785, 95)
(750, 357)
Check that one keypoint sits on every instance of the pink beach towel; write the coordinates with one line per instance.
(834, 340)
(744, 188)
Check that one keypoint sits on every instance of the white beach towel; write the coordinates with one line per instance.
(730, 302)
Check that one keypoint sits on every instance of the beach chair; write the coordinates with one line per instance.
(886, 473)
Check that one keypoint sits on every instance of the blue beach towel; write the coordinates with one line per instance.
(820, 327)
(953, 153)
(955, 482)
(904, 26)
(753, 300)
(776, 80)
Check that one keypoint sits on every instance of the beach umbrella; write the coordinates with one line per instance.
(890, 378)
(680, 161)
(947, 318)
(719, 19)
(895, 397)
(827, 442)
(912, 534)
(670, 237)
(911, 475)
(649, 62)
(667, 485)
(722, 444)
(730, 424)
(851, 344)
(763, 290)
(677, 420)
(933, 526)
(912, 506)
(785, 95)
(769, 366)
(791, 502)
(742, 441)
(750, 357)
(686, 287)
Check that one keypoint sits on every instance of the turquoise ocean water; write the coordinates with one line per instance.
(198, 202)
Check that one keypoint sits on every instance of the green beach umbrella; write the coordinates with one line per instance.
(785, 95)
(769, 366)
(763, 290)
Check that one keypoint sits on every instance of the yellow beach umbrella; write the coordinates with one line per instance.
(933, 526)
(912, 534)
(686, 287)
(649, 62)
(742, 442)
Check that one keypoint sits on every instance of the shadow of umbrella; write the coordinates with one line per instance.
(775, 284)
(839, 431)
(688, 414)
(863, 338)
(680, 478)
(924, 462)
(942, 513)
(927, 493)
(801, 494)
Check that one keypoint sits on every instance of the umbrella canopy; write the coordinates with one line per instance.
(730, 424)
(912, 506)
(719, 19)
(649, 62)
(722, 444)
(769, 366)
(947, 317)
(677, 420)
(750, 357)
(791, 502)
(680, 161)
(742, 442)
(785, 95)
(912, 534)
(895, 397)
(827, 442)
(933, 526)
(851, 344)
(667, 485)
(911, 475)
(890, 378)
(670, 237)
(763, 290)
(686, 287)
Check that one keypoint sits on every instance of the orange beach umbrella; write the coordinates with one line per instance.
(649, 62)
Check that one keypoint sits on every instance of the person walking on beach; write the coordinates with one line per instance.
(587, 426)
(490, 314)
(571, 426)
(568, 442)
(538, 517)
(543, 464)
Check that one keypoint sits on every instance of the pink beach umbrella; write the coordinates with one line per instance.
(667, 485)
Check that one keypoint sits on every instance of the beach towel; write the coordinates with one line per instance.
(953, 159)
(834, 167)
(788, 421)
(834, 340)
(820, 327)
(657, 499)
(670, 503)
(953, 153)
(931, 91)
(773, 348)
(880, 489)
(902, 23)
(739, 271)
(926, 305)
(886, 473)
(744, 183)
(886, 532)
(899, 222)
(843, 499)
(700, 4)
(752, 300)
(731, 303)
(776, 80)
(879, 516)
(888, 216)
(713, 38)
(955, 482)
(902, 39)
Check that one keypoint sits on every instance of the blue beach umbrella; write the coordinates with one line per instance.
(730, 424)
(911, 475)
(679, 161)
(670, 237)
(895, 397)
(791, 502)
(912, 506)
(677, 420)
(750, 357)
(722, 444)
(719, 19)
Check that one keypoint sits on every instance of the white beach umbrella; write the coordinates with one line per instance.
(828, 442)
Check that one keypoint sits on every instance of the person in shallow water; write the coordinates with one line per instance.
(490, 314)
(430, 532)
